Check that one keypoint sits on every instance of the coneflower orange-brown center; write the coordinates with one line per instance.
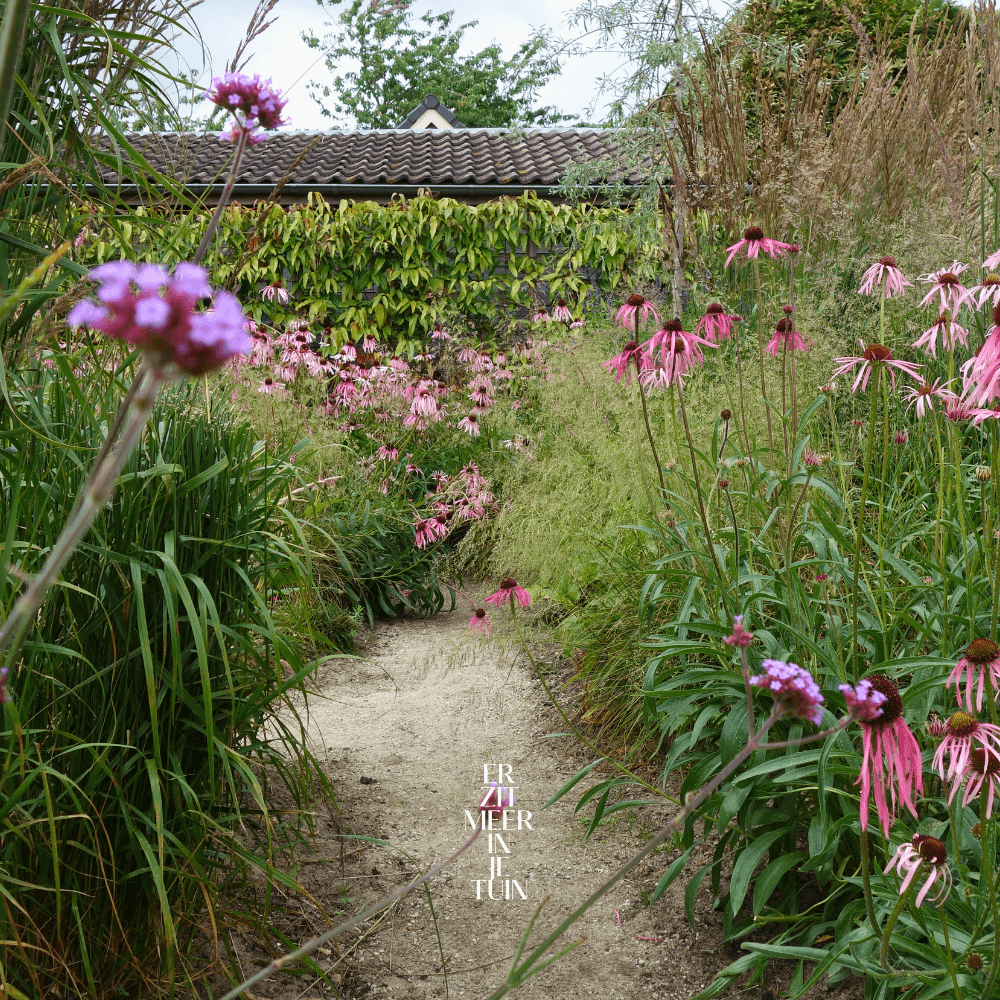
(962, 724)
(992, 280)
(930, 849)
(984, 761)
(877, 352)
(508, 583)
(892, 707)
(714, 309)
(753, 233)
(673, 325)
(947, 278)
(634, 300)
(887, 261)
(982, 651)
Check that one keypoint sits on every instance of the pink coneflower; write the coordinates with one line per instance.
(271, 388)
(439, 334)
(482, 398)
(632, 354)
(963, 731)
(913, 856)
(983, 769)
(884, 271)
(561, 312)
(753, 242)
(946, 287)
(480, 622)
(425, 536)
(717, 324)
(876, 354)
(349, 351)
(785, 337)
(864, 703)
(813, 458)
(949, 331)
(470, 424)
(959, 412)
(509, 591)
(481, 363)
(980, 660)
(542, 316)
(988, 291)
(672, 341)
(991, 262)
(890, 756)
(425, 401)
(900, 438)
(399, 366)
(275, 291)
(635, 311)
(794, 691)
(739, 637)
(387, 453)
(923, 396)
(467, 355)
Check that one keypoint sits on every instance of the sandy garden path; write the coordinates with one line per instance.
(404, 733)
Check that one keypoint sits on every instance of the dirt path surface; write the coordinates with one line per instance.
(405, 733)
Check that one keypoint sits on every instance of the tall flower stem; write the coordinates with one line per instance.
(859, 530)
(652, 443)
(881, 499)
(739, 376)
(697, 483)
(96, 492)
(947, 951)
(736, 544)
(866, 881)
(991, 886)
(760, 355)
(891, 923)
(227, 192)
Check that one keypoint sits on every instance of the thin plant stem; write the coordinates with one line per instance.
(652, 443)
(749, 691)
(891, 923)
(739, 376)
(859, 530)
(947, 951)
(736, 543)
(227, 192)
(760, 354)
(697, 484)
(991, 886)
(866, 881)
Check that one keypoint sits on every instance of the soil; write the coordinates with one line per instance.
(404, 733)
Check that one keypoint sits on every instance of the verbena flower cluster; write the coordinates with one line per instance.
(254, 104)
(152, 309)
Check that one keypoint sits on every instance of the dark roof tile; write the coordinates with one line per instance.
(404, 157)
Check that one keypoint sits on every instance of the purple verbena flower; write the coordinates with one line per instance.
(795, 692)
(864, 703)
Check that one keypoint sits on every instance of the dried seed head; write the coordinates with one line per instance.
(974, 961)
(787, 310)
(726, 414)
(723, 484)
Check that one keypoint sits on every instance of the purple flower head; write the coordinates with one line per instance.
(509, 590)
(739, 636)
(795, 692)
(864, 703)
(151, 309)
(254, 103)
(497, 799)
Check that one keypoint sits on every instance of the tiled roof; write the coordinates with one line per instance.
(431, 157)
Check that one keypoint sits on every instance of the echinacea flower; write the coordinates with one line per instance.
(717, 324)
(884, 274)
(470, 424)
(149, 308)
(983, 769)
(964, 730)
(992, 261)
(982, 371)
(631, 354)
(980, 660)
(635, 311)
(509, 591)
(890, 757)
(922, 852)
(946, 286)
(900, 437)
(988, 291)
(542, 316)
(439, 334)
(271, 388)
(275, 291)
(424, 534)
(864, 702)
(753, 242)
(923, 396)
(786, 337)
(480, 622)
(794, 691)
(388, 453)
(739, 636)
(561, 312)
(497, 799)
(949, 331)
(679, 351)
(876, 354)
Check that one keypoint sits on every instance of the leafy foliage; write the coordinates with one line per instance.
(395, 270)
(401, 62)
(138, 754)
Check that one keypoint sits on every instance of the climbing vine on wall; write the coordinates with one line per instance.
(396, 270)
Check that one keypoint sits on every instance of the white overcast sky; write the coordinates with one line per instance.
(281, 54)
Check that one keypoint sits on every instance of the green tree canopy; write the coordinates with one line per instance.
(400, 61)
